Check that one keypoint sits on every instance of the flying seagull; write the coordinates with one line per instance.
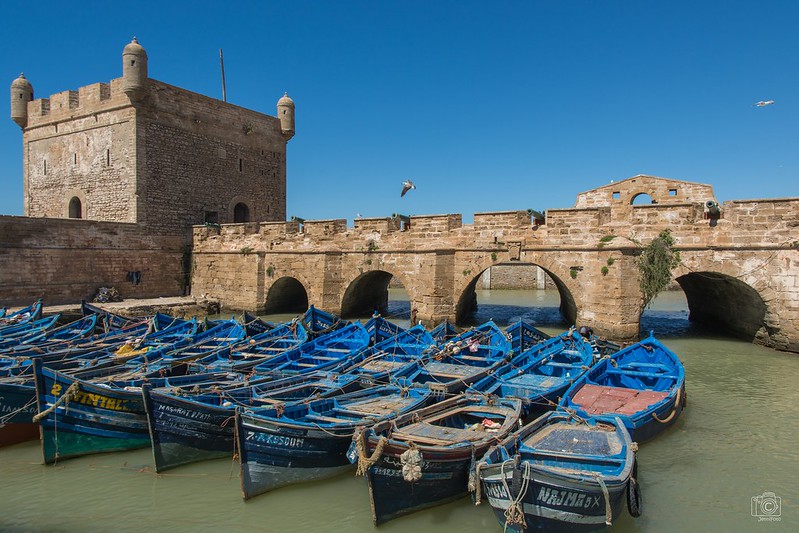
(763, 103)
(407, 185)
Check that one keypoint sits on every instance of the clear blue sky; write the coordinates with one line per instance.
(486, 105)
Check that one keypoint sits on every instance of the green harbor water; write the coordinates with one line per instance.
(737, 441)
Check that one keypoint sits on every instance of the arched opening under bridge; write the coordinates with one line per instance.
(286, 295)
(724, 304)
(509, 292)
(366, 294)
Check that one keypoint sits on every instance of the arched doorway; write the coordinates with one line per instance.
(75, 208)
(286, 295)
(366, 294)
(241, 213)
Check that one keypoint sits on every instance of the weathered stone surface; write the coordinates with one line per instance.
(439, 260)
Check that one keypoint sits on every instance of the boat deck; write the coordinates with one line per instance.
(601, 399)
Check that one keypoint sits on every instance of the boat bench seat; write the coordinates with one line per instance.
(323, 418)
(562, 365)
(637, 373)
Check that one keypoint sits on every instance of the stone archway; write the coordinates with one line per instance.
(366, 294)
(724, 303)
(286, 295)
(467, 297)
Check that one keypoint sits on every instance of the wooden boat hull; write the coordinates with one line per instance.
(425, 458)
(94, 419)
(273, 456)
(550, 503)
(561, 473)
(444, 479)
(17, 409)
(184, 432)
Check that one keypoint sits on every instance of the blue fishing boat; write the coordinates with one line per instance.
(50, 337)
(380, 329)
(254, 350)
(524, 336)
(393, 358)
(26, 314)
(17, 386)
(444, 332)
(78, 417)
(187, 426)
(561, 473)
(16, 333)
(325, 352)
(424, 458)
(307, 441)
(642, 384)
(540, 375)
(463, 360)
(319, 322)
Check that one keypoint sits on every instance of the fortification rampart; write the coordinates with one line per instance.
(64, 261)
(589, 253)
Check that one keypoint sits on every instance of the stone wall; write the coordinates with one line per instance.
(170, 160)
(199, 157)
(750, 251)
(64, 260)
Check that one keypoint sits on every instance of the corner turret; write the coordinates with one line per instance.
(134, 70)
(21, 94)
(285, 112)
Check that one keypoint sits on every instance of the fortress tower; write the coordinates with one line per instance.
(141, 151)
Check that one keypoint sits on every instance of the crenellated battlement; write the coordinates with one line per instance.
(88, 100)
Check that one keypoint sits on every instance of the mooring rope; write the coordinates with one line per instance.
(364, 462)
(70, 394)
(514, 514)
(673, 411)
(606, 494)
(8, 416)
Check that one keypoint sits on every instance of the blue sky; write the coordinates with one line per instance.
(486, 106)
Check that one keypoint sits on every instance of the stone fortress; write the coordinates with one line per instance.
(150, 188)
(115, 174)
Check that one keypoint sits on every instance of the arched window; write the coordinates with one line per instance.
(75, 208)
(642, 199)
(241, 213)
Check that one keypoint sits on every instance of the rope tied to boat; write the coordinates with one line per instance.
(514, 514)
(364, 462)
(673, 411)
(411, 460)
(606, 495)
(70, 394)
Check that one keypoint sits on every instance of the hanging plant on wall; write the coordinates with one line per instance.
(655, 264)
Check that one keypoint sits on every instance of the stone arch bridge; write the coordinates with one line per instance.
(739, 264)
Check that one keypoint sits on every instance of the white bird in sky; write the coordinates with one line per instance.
(407, 185)
(763, 103)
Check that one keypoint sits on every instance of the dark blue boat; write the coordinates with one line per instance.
(444, 332)
(540, 375)
(561, 473)
(186, 426)
(380, 329)
(78, 417)
(50, 334)
(390, 359)
(463, 360)
(524, 336)
(424, 458)
(26, 314)
(307, 441)
(323, 353)
(642, 384)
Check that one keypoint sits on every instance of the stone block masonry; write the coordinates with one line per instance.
(739, 270)
(64, 261)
